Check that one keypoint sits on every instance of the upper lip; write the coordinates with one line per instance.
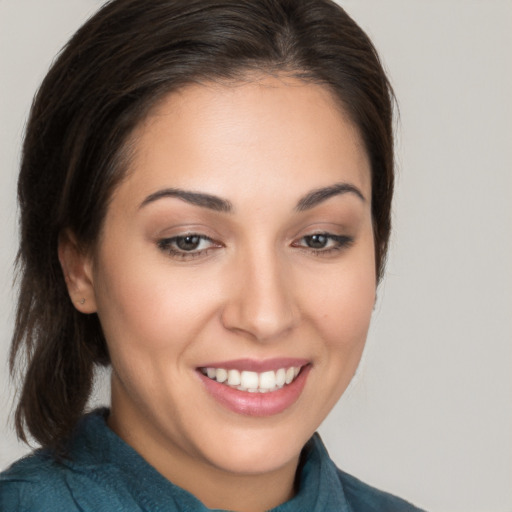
(257, 365)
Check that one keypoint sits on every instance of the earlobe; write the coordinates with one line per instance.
(76, 266)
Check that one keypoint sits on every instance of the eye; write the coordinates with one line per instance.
(185, 246)
(323, 243)
(317, 241)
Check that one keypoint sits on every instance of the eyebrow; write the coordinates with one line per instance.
(219, 204)
(196, 198)
(320, 195)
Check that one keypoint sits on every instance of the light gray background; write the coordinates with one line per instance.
(430, 415)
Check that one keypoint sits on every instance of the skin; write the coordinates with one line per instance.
(257, 290)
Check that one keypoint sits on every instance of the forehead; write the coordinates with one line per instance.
(228, 138)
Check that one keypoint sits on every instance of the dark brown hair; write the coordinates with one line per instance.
(106, 79)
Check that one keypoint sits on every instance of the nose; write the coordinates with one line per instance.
(262, 300)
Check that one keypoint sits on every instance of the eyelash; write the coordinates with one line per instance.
(340, 242)
(169, 245)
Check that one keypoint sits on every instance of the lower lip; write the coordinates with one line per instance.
(257, 404)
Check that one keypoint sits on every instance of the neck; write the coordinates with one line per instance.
(213, 486)
(217, 489)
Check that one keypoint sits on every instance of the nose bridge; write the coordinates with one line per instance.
(263, 303)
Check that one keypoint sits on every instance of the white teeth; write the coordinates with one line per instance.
(253, 382)
(280, 377)
(234, 378)
(268, 380)
(222, 375)
(249, 380)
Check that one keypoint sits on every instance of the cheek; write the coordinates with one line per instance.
(340, 309)
(147, 304)
(343, 302)
(344, 325)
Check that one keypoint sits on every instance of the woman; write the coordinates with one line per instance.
(205, 206)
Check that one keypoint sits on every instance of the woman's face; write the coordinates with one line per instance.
(239, 247)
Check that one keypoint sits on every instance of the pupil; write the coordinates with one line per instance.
(316, 241)
(188, 243)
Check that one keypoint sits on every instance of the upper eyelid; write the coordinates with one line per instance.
(204, 236)
(186, 229)
(323, 233)
(188, 233)
(329, 225)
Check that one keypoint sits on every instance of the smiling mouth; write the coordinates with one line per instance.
(253, 382)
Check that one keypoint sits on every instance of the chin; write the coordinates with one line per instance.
(260, 451)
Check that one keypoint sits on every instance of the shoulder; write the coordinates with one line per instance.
(94, 476)
(363, 497)
(40, 483)
(36, 482)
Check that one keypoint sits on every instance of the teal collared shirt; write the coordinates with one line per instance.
(105, 474)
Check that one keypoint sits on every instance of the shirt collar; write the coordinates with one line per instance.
(97, 448)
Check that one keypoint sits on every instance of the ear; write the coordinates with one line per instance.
(77, 268)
